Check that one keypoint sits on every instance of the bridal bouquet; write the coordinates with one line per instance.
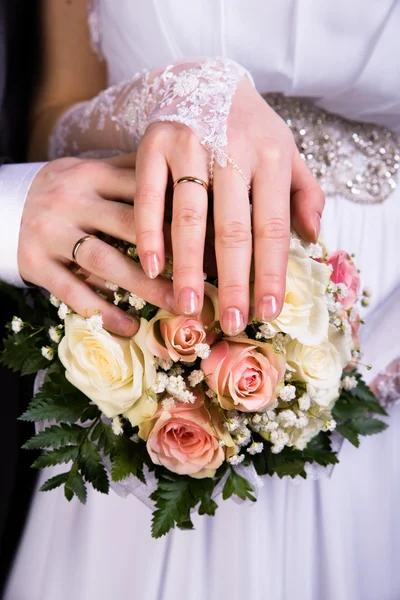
(188, 407)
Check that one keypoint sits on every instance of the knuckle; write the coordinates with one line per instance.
(67, 293)
(98, 257)
(233, 234)
(271, 279)
(86, 169)
(189, 216)
(275, 228)
(148, 195)
(127, 217)
(182, 271)
(272, 152)
(233, 289)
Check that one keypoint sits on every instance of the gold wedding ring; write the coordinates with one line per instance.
(79, 243)
(192, 180)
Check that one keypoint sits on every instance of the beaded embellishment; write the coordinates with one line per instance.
(359, 161)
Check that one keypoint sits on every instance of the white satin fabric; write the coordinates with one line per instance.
(335, 539)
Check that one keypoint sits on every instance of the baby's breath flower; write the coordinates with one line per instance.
(255, 448)
(164, 363)
(168, 403)
(236, 459)
(111, 286)
(349, 382)
(342, 290)
(137, 302)
(54, 301)
(287, 393)
(210, 394)
(195, 377)
(329, 425)
(63, 311)
(160, 383)
(55, 333)
(17, 324)
(95, 323)
(279, 439)
(116, 426)
(287, 418)
(135, 438)
(315, 251)
(256, 419)
(267, 331)
(202, 350)
(304, 402)
(176, 386)
(47, 352)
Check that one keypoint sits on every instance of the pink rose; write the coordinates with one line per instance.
(344, 271)
(245, 374)
(175, 337)
(185, 440)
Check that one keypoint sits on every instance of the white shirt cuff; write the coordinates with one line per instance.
(15, 181)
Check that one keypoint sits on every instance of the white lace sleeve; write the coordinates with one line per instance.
(197, 94)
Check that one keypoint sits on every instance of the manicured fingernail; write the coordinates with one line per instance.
(232, 321)
(128, 326)
(170, 300)
(317, 226)
(267, 308)
(188, 301)
(151, 265)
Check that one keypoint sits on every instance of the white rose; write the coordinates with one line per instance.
(114, 372)
(319, 366)
(304, 315)
(343, 343)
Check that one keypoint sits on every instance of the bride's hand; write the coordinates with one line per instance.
(282, 190)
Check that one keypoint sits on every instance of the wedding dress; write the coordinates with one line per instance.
(333, 539)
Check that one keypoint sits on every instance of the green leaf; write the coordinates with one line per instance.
(92, 468)
(55, 457)
(367, 426)
(175, 497)
(235, 484)
(127, 459)
(59, 401)
(55, 436)
(149, 311)
(75, 486)
(348, 433)
(54, 482)
(319, 450)
(107, 440)
(207, 506)
(24, 354)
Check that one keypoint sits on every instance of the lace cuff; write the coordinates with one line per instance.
(195, 93)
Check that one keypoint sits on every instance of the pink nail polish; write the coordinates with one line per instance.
(267, 308)
(151, 265)
(232, 321)
(188, 301)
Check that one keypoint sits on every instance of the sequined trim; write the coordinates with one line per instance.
(356, 160)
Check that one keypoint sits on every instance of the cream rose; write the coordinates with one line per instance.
(186, 439)
(245, 374)
(172, 336)
(114, 372)
(304, 314)
(319, 366)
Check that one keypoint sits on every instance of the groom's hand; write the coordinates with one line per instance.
(69, 199)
